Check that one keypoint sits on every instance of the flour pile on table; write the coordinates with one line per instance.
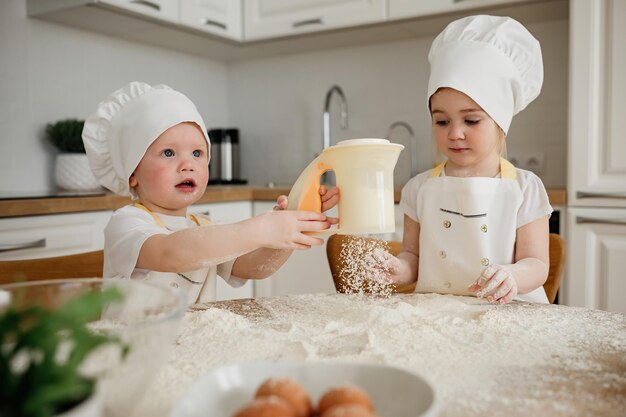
(473, 353)
(362, 271)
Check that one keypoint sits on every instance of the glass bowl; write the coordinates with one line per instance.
(147, 320)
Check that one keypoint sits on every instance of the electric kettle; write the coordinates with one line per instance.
(364, 174)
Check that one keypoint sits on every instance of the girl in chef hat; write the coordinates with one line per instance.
(475, 224)
(150, 144)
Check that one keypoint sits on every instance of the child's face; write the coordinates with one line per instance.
(463, 131)
(173, 173)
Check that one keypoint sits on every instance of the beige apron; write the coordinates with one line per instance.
(198, 286)
(467, 224)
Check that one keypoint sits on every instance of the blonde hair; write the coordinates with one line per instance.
(501, 142)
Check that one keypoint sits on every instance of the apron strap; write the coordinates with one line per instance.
(198, 220)
(507, 170)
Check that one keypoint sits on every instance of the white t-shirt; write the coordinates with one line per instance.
(534, 206)
(126, 233)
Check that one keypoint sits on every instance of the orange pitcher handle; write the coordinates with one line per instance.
(305, 193)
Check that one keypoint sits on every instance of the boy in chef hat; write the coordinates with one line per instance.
(475, 224)
(150, 144)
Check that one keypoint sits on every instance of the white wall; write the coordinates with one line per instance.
(278, 102)
(50, 72)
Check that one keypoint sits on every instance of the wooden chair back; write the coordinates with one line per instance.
(335, 244)
(82, 265)
(557, 262)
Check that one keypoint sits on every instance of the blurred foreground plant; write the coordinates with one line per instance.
(42, 350)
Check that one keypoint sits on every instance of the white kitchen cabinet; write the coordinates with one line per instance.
(163, 10)
(222, 213)
(274, 18)
(52, 235)
(597, 149)
(596, 234)
(596, 259)
(218, 17)
(160, 9)
(399, 9)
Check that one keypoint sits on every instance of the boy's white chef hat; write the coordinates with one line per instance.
(126, 123)
(494, 60)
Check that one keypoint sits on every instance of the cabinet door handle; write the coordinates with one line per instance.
(147, 3)
(317, 21)
(588, 220)
(209, 22)
(6, 247)
(587, 194)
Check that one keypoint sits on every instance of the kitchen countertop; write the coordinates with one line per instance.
(74, 203)
(519, 359)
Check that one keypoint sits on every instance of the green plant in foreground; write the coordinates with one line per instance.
(41, 351)
(66, 135)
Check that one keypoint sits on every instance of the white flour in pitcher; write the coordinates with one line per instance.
(473, 353)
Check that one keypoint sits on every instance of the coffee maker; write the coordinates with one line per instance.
(224, 166)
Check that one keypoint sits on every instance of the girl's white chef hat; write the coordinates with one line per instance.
(494, 60)
(126, 123)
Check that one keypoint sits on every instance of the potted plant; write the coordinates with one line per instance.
(42, 350)
(72, 171)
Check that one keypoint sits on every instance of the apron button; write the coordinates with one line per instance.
(174, 284)
(447, 285)
(484, 261)
(483, 228)
(447, 224)
(442, 254)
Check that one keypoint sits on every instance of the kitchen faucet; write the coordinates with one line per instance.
(412, 143)
(326, 117)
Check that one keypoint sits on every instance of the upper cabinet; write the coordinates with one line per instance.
(160, 9)
(398, 9)
(273, 18)
(221, 29)
(218, 17)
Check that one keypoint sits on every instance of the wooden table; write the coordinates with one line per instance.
(519, 359)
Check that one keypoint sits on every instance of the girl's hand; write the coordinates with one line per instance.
(385, 264)
(496, 284)
(330, 198)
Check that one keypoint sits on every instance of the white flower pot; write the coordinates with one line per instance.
(73, 173)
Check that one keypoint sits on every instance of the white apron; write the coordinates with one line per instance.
(197, 286)
(467, 224)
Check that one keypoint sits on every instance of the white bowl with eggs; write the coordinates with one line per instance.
(394, 392)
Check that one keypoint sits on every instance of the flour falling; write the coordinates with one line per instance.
(362, 271)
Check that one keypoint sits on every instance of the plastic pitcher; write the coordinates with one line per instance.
(364, 174)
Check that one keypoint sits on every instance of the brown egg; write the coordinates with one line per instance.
(269, 406)
(291, 391)
(348, 410)
(346, 394)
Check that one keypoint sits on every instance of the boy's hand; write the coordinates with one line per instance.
(285, 229)
(496, 284)
(281, 203)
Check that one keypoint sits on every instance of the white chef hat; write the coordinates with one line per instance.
(494, 60)
(126, 123)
